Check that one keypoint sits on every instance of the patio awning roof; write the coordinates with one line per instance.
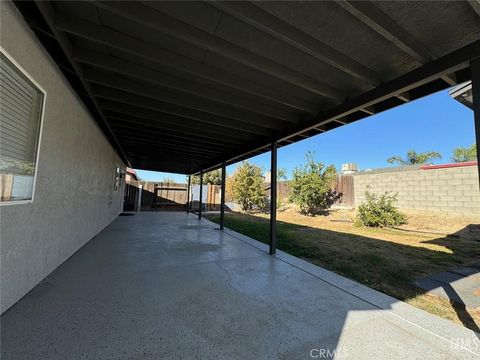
(183, 86)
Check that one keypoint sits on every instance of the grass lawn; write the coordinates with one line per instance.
(385, 259)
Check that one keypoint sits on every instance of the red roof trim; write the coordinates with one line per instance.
(446, 166)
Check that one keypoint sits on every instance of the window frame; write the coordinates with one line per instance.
(40, 127)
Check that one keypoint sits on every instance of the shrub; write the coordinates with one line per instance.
(213, 177)
(380, 211)
(310, 187)
(246, 187)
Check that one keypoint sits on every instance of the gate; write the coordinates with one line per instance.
(131, 197)
(169, 196)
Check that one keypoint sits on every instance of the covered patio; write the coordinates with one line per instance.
(166, 285)
(188, 88)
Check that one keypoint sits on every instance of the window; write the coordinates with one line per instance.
(21, 103)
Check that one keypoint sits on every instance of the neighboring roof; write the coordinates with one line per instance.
(182, 86)
(463, 94)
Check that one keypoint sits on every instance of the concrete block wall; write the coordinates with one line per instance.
(74, 194)
(452, 191)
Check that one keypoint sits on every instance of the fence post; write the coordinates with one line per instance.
(187, 202)
(222, 197)
(475, 69)
(200, 197)
(273, 199)
(139, 204)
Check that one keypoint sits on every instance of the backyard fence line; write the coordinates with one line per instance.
(444, 189)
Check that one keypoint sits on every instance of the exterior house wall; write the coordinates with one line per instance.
(74, 196)
(452, 191)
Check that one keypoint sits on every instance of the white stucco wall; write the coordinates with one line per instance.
(74, 196)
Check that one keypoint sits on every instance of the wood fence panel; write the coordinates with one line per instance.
(148, 195)
(344, 187)
(169, 196)
(131, 197)
(213, 198)
(6, 186)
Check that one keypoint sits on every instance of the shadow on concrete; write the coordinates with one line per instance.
(372, 268)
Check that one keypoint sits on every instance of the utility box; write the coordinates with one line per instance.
(349, 168)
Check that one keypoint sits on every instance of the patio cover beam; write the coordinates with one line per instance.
(373, 17)
(200, 197)
(106, 79)
(91, 31)
(163, 23)
(222, 195)
(175, 110)
(171, 122)
(273, 199)
(434, 70)
(165, 80)
(262, 20)
(48, 13)
(187, 204)
(119, 123)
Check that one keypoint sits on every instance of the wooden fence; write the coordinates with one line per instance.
(6, 187)
(343, 186)
(169, 196)
(154, 196)
(130, 200)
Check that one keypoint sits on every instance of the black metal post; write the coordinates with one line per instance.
(475, 69)
(222, 201)
(200, 198)
(187, 204)
(273, 199)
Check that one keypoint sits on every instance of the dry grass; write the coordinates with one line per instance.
(385, 259)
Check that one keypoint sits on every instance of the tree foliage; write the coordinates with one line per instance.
(461, 154)
(281, 174)
(168, 180)
(414, 158)
(380, 211)
(310, 187)
(246, 187)
(213, 177)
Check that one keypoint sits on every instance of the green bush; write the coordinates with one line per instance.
(310, 187)
(213, 177)
(380, 211)
(246, 187)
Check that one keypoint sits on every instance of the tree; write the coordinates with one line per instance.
(246, 187)
(310, 187)
(281, 174)
(414, 158)
(213, 177)
(461, 154)
(168, 180)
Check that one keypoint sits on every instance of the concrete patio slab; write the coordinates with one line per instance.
(166, 286)
(461, 285)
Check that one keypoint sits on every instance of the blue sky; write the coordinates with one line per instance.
(433, 123)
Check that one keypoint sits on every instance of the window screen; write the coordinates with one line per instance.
(20, 112)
